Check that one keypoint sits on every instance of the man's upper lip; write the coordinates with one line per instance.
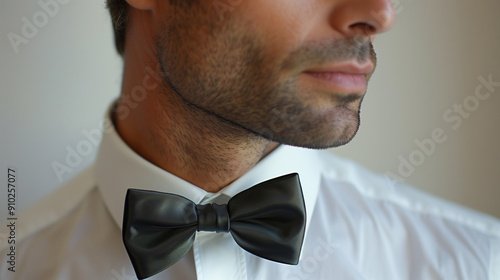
(345, 68)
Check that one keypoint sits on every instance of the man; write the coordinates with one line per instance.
(216, 97)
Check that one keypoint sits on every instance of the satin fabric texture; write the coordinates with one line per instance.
(267, 220)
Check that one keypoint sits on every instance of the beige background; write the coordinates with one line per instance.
(58, 84)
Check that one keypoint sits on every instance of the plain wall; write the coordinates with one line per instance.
(57, 85)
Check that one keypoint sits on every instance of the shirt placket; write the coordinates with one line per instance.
(217, 256)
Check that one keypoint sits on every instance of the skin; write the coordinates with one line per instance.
(232, 85)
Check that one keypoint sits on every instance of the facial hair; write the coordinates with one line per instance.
(226, 70)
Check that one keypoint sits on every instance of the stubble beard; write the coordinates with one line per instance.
(248, 94)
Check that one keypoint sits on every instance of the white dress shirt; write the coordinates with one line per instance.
(359, 227)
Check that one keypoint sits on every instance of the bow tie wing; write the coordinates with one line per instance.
(158, 230)
(268, 220)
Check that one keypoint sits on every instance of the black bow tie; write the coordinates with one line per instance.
(267, 220)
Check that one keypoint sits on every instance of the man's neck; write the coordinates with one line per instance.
(182, 139)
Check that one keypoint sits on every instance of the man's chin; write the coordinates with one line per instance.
(322, 145)
(313, 139)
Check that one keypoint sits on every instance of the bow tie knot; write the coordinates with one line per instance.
(267, 220)
(213, 217)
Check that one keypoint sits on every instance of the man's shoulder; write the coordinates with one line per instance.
(68, 231)
(349, 179)
(405, 230)
(55, 206)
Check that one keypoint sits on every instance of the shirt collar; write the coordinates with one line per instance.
(119, 168)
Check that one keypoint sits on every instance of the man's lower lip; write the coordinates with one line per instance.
(342, 82)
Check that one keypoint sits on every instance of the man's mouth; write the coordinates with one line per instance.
(342, 78)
